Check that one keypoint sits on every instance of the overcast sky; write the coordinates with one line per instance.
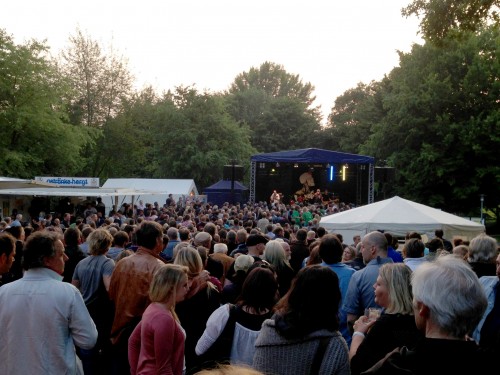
(331, 44)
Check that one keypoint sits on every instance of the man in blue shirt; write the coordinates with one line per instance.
(360, 293)
(330, 251)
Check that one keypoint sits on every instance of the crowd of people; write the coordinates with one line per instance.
(195, 288)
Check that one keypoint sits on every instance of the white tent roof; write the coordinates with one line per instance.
(161, 186)
(399, 216)
(14, 183)
(75, 192)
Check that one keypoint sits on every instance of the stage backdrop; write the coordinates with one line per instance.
(348, 176)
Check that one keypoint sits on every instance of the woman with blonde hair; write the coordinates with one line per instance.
(201, 301)
(276, 256)
(92, 276)
(156, 345)
(373, 339)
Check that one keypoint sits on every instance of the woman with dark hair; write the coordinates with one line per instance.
(302, 337)
(73, 251)
(232, 329)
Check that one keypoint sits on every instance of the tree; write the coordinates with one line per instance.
(197, 138)
(35, 136)
(353, 116)
(440, 18)
(276, 106)
(128, 138)
(100, 83)
(441, 131)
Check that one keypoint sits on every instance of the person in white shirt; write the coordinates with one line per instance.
(43, 318)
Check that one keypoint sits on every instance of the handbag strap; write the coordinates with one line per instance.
(320, 353)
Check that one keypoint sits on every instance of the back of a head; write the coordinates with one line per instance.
(275, 254)
(210, 228)
(121, 238)
(414, 248)
(378, 240)
(184, 234)
(461, 251)
(321, 231)
(220, 248)
(15, 231)
(306, 307)
(241, 235)
(202, 239)
(72, 236)
(230, 370)
(330, 249)
(231, 236)
(243, 263)
(301, 235)
(7, 243)
(190, 257)
(99, 241)
(435, 244)
(453, 294)
(411, 235)
(439, 233)
(172, 233)
(483, 248)
(259, 289)
(85, 231)
(38, 246)
(148, 233)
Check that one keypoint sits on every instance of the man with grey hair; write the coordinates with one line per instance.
(173, 240)
(448, 303)
(220, 255)
(360, 294)
(43, 318)
(241, 239)
(215, 267)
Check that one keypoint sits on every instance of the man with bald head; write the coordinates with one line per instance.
(360, 293)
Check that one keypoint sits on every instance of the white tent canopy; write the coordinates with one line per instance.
(399, 216)
(166, 186)
(162, 187)
(74, 192)
(14, 183)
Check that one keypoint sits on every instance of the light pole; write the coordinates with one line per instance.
(482, 201)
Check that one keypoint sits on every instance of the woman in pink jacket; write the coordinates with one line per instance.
(156, 345)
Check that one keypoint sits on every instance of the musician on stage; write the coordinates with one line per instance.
(275, 198)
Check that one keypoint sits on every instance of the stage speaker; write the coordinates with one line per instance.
(228, 172)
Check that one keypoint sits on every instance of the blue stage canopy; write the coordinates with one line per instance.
(312, 155)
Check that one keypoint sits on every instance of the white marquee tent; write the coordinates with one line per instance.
(162, 187)
(399, 216)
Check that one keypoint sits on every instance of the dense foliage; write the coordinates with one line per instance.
(435, 118)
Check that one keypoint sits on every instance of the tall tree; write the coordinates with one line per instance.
(353, 116)
(35, 137)
(441, 18)
(128, 138)
(277, 107)
(442, 124)
(100, 81)
(100, 84)
(198, 138)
